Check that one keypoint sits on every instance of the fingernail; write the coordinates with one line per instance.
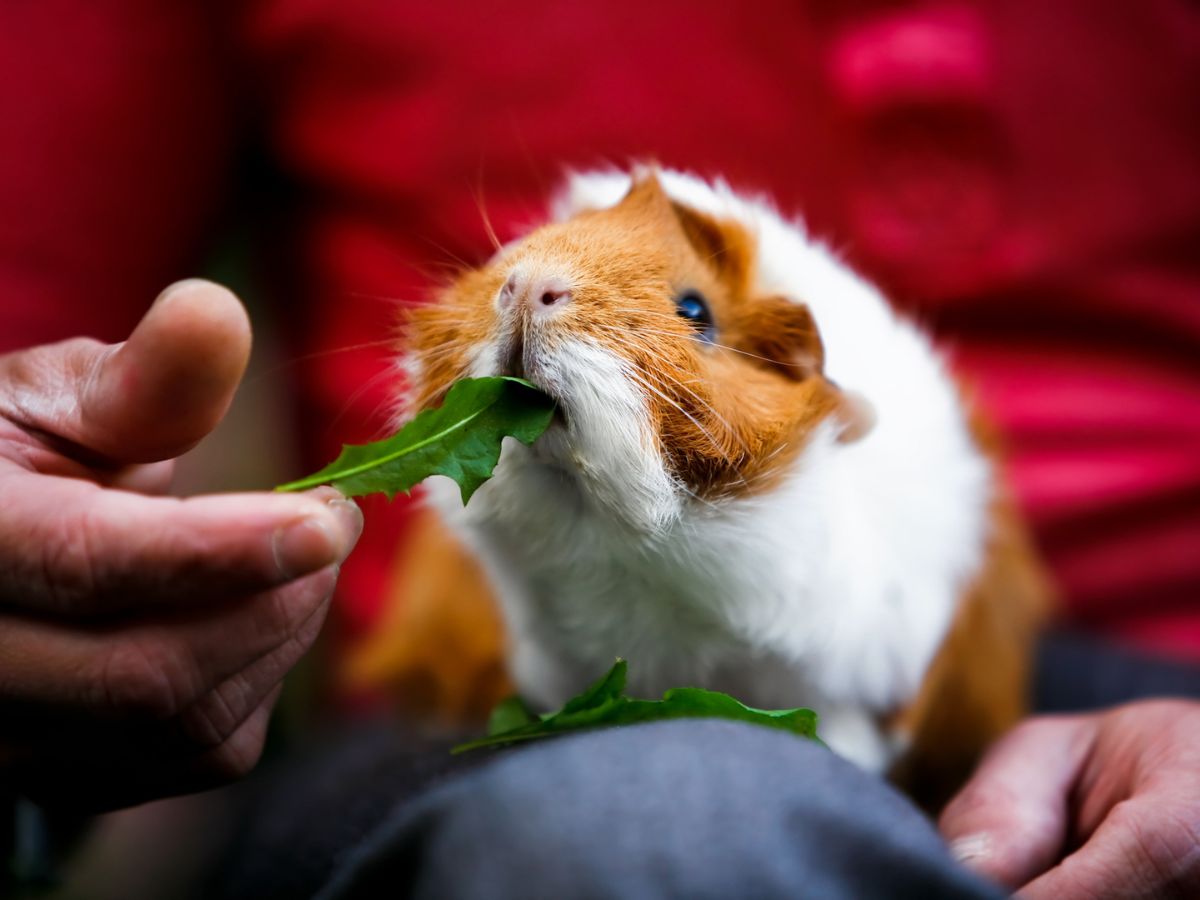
(304, 546)
(350, 517)
(971, 848)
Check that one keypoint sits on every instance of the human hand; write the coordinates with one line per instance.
(1095, 806)
(143, 638)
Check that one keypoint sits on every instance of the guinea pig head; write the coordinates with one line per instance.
(675, 377)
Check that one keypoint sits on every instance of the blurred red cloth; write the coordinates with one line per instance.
(1021, 176)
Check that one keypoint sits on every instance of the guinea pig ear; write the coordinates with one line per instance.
(723, 246)
(856, 415)
(646, 193)
(782, 332)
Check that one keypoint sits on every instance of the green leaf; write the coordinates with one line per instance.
(605, 705)
(610, 687)
(460, 439)
(509, 714)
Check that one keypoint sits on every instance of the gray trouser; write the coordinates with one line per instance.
(689, 809)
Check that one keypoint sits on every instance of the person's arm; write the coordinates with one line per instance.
(1101, 805)
(143, 638)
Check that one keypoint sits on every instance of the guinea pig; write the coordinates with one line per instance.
(760, 480)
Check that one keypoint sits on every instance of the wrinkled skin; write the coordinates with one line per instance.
(1096, 806)
(143, 638)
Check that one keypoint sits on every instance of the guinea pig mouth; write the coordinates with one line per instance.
(511, 361)
(511, 357)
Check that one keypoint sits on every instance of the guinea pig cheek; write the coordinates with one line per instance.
(609, 441)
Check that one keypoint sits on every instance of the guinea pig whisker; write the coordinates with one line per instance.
(358, 393)
(711, 410)
(445, 350)
(318, 354)
(700, 401)
(439, 353)
(767, 359)
(707, 434)
(708, 408)
(459, 264)
(487, 220)
(687, 490)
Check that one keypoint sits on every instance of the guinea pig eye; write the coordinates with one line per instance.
(692, 307)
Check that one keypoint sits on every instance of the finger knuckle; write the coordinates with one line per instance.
(1166, 845)
(236, 758)
(278, 613)
(31, 370)
(979, 796)
(68, 561)
(284, 616)
(138, 679)
(217, 715)
(1038, 729)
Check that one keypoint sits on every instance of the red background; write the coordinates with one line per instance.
(1020, 176)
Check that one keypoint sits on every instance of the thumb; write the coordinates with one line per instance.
(149, 398)
(1009, 823)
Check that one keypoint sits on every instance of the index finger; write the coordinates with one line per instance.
(1148, 846)
(69, 547)
(1010, 821)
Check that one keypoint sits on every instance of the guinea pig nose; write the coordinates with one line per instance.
(541, 293)
(553, 295)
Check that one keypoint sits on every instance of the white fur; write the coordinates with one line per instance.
(621, 467)
(833, 590)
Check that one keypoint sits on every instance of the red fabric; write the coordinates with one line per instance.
(115, 133)
(1020, 175)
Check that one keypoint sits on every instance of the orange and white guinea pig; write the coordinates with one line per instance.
(762, 481)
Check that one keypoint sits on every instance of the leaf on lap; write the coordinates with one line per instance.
(604, 705)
